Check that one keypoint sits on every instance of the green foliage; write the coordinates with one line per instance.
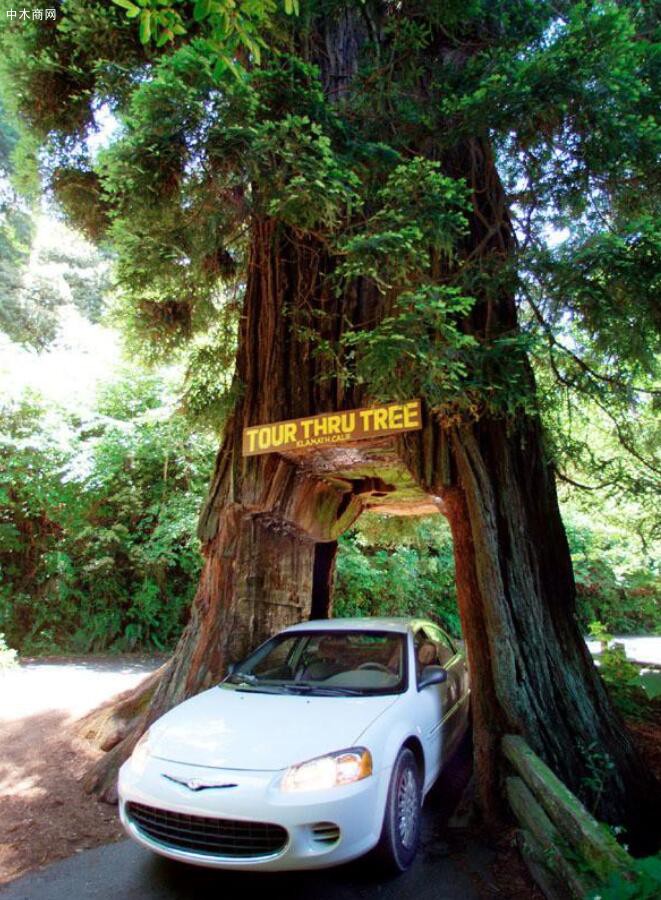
(43, 266)
(63, 271)
(16, 226)
(391, 566)
(600, 768)
(404, 349)
(209, 391)
(617, 576)
(420, 217)
(597, 631)
(227, 116)
(97, 517)
(420, 347)
(80, 196)
(628, 686)
(304, 182)
(229, 29)
(646, 885)
(650, 682)
(615, 666)
(52, 86)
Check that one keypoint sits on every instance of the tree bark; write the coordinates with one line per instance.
(531, 672)
(269, 523)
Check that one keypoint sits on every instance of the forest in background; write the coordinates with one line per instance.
(98, 511)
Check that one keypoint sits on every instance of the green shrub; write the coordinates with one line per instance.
(617, 581)
(98, 521)
(635, 694)
(645, 886)
(392, 566)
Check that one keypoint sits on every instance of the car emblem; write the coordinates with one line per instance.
(196, 784)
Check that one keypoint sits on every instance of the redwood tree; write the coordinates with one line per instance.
(354, 198)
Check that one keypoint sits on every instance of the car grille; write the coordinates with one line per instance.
(203, 834)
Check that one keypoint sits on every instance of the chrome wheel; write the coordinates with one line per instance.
(407, 807)
(400, 833)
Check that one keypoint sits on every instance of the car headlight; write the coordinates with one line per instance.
(141, 753)
(332, 770)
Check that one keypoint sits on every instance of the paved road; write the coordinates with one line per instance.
(641, 648)
(74, 686)
(125, 871)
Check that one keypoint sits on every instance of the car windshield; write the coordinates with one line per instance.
(331, 663)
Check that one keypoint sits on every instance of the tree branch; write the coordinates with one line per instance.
(583, 487)
(608, 379)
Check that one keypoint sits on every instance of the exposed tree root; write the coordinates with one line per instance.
(115, 727)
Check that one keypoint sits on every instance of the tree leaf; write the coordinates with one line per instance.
(126, 4)
(145, 26)
(202, 10)
(650, 682)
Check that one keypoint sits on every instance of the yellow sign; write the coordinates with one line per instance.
(332, 428)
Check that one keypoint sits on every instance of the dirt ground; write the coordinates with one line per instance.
(44, 813)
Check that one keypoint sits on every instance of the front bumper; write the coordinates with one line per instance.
(356, 809)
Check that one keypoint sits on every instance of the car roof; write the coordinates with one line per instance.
(365, 623)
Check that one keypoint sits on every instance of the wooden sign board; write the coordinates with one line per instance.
(332, 428)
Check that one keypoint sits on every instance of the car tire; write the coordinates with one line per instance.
(400, 834)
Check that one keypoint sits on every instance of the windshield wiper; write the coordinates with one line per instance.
(303, 687)
(255, 688)
(247, 682)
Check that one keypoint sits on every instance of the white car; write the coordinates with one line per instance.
(317, 748)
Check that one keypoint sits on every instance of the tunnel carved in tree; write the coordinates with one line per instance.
(269, 564)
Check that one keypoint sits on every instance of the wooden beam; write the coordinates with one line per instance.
(533, 857)
(553, 852)
(592, 840)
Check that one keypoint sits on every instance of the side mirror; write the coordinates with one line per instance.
(432, 675)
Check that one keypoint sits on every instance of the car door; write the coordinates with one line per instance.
(431, 701)
(455, 708)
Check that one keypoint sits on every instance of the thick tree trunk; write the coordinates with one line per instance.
(531, 672)
(270, 526)
(270, 523)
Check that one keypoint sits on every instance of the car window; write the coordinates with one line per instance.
(426, 652)
(432, 648)
(277, 661)
(446, 649)
(437, 635)
(359, 661)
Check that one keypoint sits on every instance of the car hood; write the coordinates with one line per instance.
(230, 729)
